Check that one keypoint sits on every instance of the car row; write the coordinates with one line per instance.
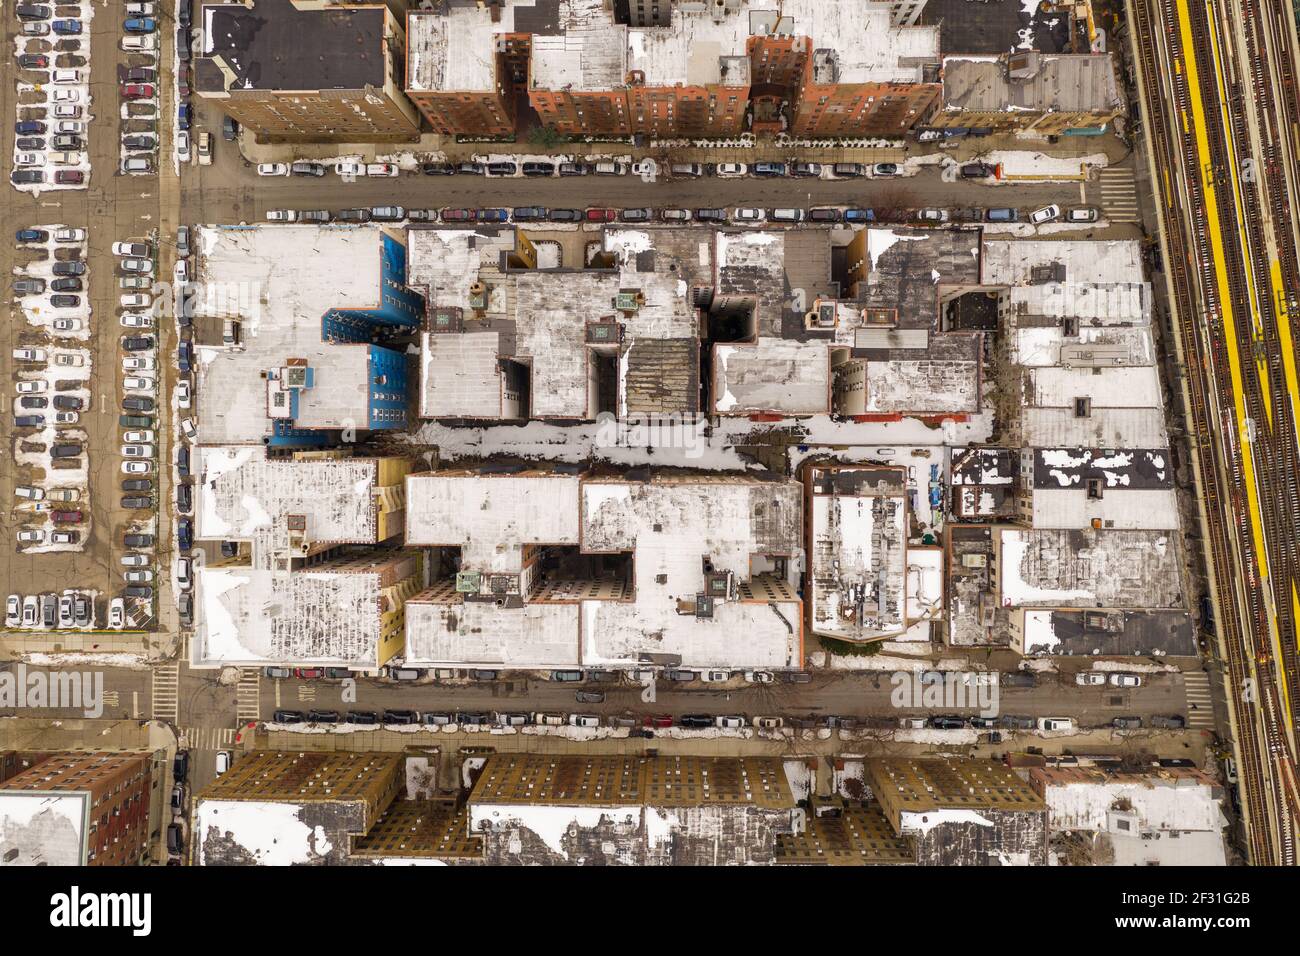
(50, 146)
(401, 717)
(138, 93)
(48, 611)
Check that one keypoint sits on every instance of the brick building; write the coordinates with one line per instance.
(297, 71)
(662, 68)
(74, 809)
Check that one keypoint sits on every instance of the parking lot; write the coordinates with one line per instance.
(68, 481)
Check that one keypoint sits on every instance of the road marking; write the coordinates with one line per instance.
(248, 696)
(164, 691)
(1200, 703)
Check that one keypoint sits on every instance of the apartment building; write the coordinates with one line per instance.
(306, 71)
(75, 809)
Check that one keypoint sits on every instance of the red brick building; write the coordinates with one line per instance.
(93, 806)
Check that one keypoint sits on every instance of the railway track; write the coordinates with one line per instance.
(1207, 292)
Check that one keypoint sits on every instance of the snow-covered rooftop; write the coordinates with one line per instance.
(1089, 568)
(279, 281)
(42, 828)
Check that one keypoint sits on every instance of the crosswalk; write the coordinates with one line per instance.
(1119, 198)
(248, 695)
(1200, 706)
(207, 738)
(163, 694)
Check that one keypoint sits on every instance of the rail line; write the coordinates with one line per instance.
(1226, 287)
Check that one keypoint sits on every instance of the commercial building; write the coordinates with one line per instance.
(1103, 815)
(303, 582)
(961, 811)
(75, 808)
(538, 569)
(864, 581)
(1028, 91)
(306, 71)
(303, 314)
(556, 809)
(667, 68)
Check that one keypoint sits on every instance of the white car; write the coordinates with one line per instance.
(1090, 679)
(30, 492)
(932, 215)
(1046, 214)
(137, 451)
(137, 437)
(117, 614)
(65, 96)
(732, 170)
(181, 273)
(28, 388)
(188, 429)
(136, 560)
(66, 325)
(1125, 680)
(183, 395)
(138, 250)
(138, 363)
(69, 235)
(714, 677)
(13, 611)
(28, 536)
(760, 677)
(137, 467)
(65, 76)
(584, 720)
(138, 266)
(281, 215)
(69, 360)
(343, 169)
(223, 761)
(31, 610)
(139, 9)
(729, 722)
(136, 320)
(67, 418)
(63, 537)
(1083, 214)
(183, 572)
(139, 43)
(1055, 723)
(67, 111)
(273, 169)
(135, 300)
(139, 384)
(29, 159)
(382, 169)
(29, 355)
(144, 576)
(183, 146)
(749, 214)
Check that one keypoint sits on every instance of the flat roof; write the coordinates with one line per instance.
(1096, 261)
(248, 616)
(1090, 567)
(1060, 83)
(454, 49)
(274, 45)
(858, 563)
(279, 281)
(1103, 633)
(243, 495)
(772, 375)
(42, 828)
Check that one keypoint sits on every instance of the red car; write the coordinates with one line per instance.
(70, 177)
(309, 673)
(137, 91)
(664, 720)
(65, 517)
(601, 215)
(459, 215)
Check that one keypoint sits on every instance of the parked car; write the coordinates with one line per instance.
(1083, 214)
(1045, 214)
(885, 170)
(976, 171)
(1055, 723)
(1125, 680)
(1090, 679)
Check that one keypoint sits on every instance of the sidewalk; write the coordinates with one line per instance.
(432, 146)
(148, 645)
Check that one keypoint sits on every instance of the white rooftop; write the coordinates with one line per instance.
(491, 517)
(455, 50)
(1009, 261)
(1089, 568)
(248, 617)
(279, 281)
(242, 494)
(42, 828)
